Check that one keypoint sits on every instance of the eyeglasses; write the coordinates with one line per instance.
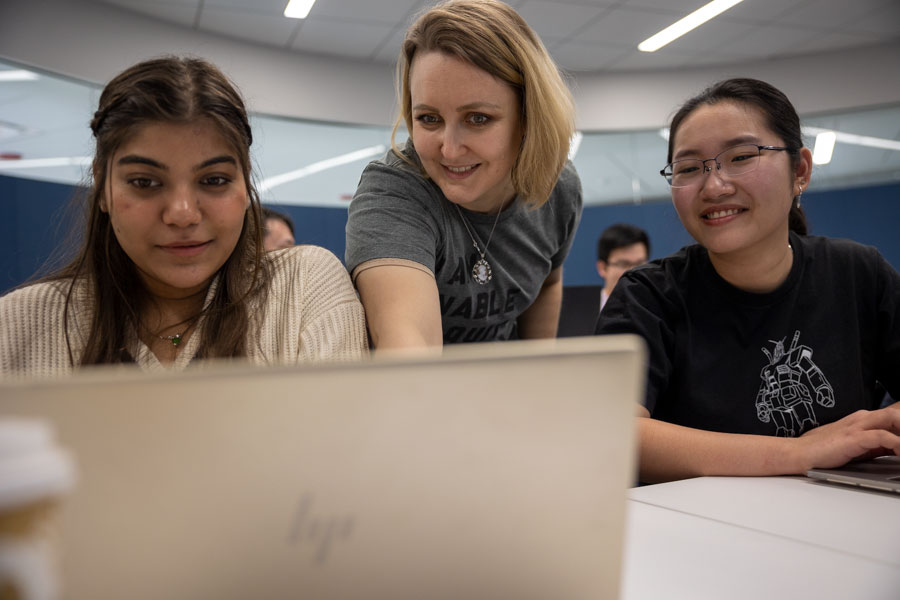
(732, 162)
(626, 264)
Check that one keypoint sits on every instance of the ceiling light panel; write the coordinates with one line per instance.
(298, 9)
(688, 23)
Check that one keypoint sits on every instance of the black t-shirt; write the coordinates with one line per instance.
(778, 363)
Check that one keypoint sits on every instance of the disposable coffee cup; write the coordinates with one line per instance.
(35, 473)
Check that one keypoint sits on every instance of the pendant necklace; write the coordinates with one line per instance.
(178, 337)
(175, 339)
(481, 270)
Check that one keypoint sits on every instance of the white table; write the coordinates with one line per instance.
(761, 538)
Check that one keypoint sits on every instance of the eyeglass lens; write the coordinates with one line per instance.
(626, 264)
(733, 161)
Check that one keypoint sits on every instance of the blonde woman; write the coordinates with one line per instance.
(460, 235)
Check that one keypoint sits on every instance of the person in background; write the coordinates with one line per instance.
(171, 268)
(766, 345)
(621, 247)
(460, 235)
(278, 230)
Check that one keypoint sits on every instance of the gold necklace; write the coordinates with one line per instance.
(178, 337)
(175, 339)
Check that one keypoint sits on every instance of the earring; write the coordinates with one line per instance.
(799, 192)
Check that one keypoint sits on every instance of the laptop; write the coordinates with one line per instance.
(492, 471)
(882, 473)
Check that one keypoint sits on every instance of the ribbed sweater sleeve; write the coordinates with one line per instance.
(313, 312)
(32, 333)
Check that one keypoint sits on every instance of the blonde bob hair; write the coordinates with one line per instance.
(493, 37)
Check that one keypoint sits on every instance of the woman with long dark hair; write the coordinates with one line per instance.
(767, 345)
(172, 266)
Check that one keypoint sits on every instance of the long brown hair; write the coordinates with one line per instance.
(162, 90)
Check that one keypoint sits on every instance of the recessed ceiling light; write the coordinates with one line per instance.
(692, 21)
(298, 9)
(17, 75)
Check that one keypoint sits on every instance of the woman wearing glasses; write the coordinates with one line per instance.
(765, 343)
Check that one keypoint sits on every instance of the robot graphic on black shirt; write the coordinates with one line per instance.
(790, 383)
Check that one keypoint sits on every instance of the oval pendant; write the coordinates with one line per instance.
(481, 272)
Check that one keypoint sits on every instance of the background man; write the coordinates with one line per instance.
(620, 247)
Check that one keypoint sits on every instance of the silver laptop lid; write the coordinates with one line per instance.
(882, 473)
(495, 471)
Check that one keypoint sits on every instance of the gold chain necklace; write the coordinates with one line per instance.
(175, 339)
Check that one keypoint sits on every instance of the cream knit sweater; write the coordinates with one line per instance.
(312, 313)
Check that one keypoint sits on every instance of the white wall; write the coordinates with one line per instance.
(821, 83)
(93, 42)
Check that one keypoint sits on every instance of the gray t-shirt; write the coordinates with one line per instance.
(398, 213)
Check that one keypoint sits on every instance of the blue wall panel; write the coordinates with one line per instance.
(35, 221)
(318, 226)
(34, 224)
(869, 215)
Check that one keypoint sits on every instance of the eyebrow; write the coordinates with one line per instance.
(474, 105)
(463, 108)
(730, 143)
(225, 158)
(134, 159)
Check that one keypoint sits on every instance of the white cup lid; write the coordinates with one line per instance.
(32, 465)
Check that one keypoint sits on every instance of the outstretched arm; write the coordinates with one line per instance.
(402, 307)
(669, 452)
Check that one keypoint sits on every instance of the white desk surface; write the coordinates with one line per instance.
(769, 538)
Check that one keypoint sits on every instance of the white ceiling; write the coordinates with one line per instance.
(48, 117)
(583, 35)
